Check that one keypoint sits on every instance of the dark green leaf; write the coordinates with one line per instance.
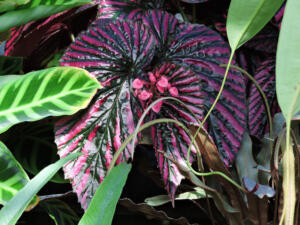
(60, 212)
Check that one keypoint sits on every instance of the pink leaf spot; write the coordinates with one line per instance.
(173, 91)
(144, 95)
(137, 84)
(157, 106)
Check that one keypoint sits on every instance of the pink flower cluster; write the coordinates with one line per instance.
(157, 86)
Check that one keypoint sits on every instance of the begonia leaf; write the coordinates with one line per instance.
(170, 138)
(115, 53)
(126, 9)
(257, 115)
(203, 50)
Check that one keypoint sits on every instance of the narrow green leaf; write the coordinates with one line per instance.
(163, 199)
(50, 92)
(12, 176)
(103, 204)
(6, 5)
(60, 212)
(288, 61)
(35, 10)
(246, 18)
(12, 211)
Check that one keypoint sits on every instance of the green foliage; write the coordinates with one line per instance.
(7, 5)
(12, 211)
(12, 176)
(33, 96)
(247, 18)
(60, 212)
(103, 204)
(34, 10)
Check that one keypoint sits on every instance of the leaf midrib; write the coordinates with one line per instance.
(40, 102)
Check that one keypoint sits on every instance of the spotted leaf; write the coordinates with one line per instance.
(115, 53)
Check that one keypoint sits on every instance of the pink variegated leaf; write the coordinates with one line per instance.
(126, 9)
(257, 115)
(115, 53)
(37, 40)
(171, 138)
(203, 50)
(277, 19)
(194, 1)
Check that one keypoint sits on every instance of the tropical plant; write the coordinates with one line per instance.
(184, 87)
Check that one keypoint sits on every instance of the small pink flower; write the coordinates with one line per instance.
(144, 95)
(152, 78)
(163, 82)
(160, 89)
(173, 91)
(157, 106)
(137, 83)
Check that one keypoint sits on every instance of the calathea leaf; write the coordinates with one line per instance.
(203, 50)
(12, 176)
(115, 53)
(257, 114)
(33, 96)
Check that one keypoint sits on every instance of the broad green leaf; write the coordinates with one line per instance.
(60, 212)
(12, 176)
(12, 211)
(10, 65)
(103, 204)
(288, 61)
(288, 91)
(50, 92)
(6, 5)
(246, 18)
(163, 199)
(35, 10)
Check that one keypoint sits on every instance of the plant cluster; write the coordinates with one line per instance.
(199, 87)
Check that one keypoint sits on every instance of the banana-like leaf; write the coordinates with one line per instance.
(50, 92)
(60, 212)
(34, 10)
(7, 5)
(13, 210)
(104, 202)
(247, 18)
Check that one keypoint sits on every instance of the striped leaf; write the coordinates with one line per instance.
(203, 50)
(257, 115)
(12, 175)
(37, 41)
(116, 53)
(50, 92)
(60, 212)
(126, 9)
(171, 138)
(34, 10)
(194, 1)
